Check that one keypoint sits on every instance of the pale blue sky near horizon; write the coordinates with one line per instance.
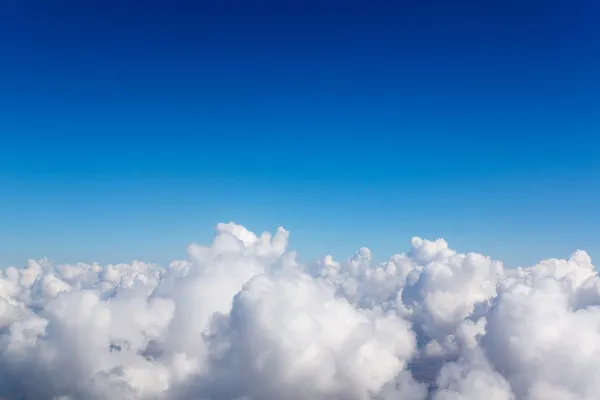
(129, 129)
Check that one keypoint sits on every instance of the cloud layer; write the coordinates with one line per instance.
(242, 319)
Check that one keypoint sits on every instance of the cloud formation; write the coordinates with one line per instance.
(241, 319)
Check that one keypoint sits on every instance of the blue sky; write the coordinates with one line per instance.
(129, 129)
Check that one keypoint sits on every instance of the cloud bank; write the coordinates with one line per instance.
(241, 319)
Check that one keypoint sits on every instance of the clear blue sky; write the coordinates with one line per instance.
(129, 128)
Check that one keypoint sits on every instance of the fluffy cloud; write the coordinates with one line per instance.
(242, 319)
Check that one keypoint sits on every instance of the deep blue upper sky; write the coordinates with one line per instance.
(129, 128)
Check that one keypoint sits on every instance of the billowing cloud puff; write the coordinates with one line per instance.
(242, 319)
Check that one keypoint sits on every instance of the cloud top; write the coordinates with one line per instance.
(242, 319)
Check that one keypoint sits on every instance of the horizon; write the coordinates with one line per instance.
(376, 260)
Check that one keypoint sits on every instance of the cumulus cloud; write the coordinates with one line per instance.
(241, 318)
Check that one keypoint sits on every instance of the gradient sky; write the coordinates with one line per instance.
(130, 128)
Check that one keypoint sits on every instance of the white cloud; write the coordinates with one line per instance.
(242, 319)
